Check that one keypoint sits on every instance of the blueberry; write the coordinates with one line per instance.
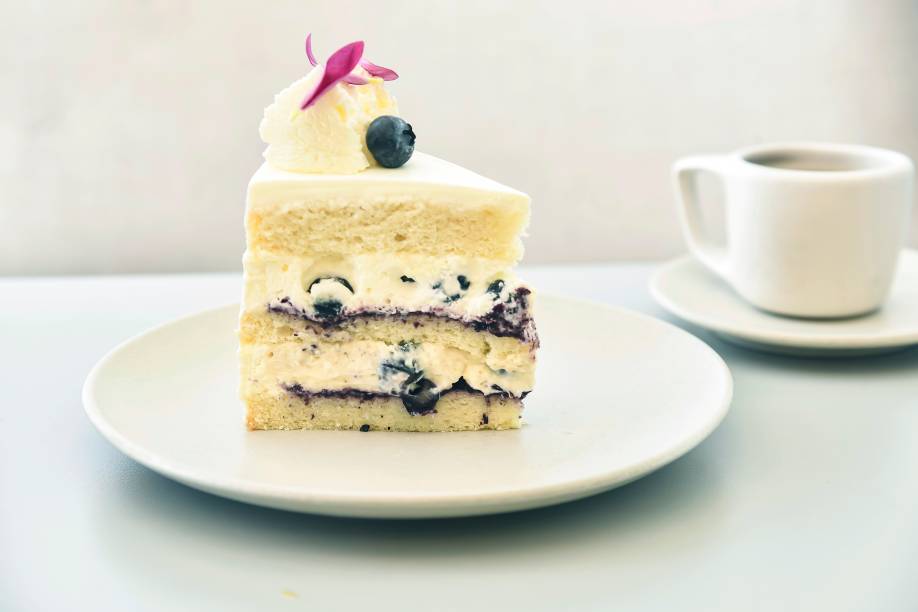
(407, 279)
(421, 397)
(495, 288)
(418, 394)
(337, 279)
(328, 306)
(328, 309)
(364, 427)
(463, 282)
(390, 140)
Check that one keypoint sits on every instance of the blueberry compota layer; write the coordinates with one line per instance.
(418, 398)
(509, 315)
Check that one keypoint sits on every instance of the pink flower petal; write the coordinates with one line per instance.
(353, 79)
(337, 68)
(386, 74)
(309, 55)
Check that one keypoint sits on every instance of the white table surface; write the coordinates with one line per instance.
(806, 497)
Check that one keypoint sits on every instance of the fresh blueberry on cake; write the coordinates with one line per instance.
(379, 286)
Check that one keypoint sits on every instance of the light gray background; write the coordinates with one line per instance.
(129, 128)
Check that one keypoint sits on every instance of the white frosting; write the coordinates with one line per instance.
(356, 365)
(424, 178)
(327, 137)
(376, 282)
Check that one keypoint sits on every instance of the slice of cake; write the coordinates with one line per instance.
(379, 292)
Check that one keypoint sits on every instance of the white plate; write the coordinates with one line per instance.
(618, 395)
(686, 289)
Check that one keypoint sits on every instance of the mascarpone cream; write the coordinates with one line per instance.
(456, 286)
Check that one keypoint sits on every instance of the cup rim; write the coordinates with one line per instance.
(890, 162)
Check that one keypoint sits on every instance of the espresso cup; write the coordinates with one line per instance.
(812, 230)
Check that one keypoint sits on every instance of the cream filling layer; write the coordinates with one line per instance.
(377, 367)
(460, 287)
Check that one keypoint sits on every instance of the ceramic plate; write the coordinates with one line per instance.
(686, 289)
(618, 395)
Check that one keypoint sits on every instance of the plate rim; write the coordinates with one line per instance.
(411, 505)
(839, 342)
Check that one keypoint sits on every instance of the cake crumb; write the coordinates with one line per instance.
(289, 594)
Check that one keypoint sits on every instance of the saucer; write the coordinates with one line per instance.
(688, 290)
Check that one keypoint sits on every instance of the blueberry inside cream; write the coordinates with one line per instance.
(380, 292)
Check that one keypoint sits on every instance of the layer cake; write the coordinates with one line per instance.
(377, 298)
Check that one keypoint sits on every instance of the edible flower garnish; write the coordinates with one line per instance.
(339, 67)
(386, 74)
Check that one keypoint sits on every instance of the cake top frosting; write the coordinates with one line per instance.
(319, 123)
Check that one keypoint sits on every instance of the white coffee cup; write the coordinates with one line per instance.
(812, 230)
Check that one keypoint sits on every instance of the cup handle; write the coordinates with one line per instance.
(696, 234)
